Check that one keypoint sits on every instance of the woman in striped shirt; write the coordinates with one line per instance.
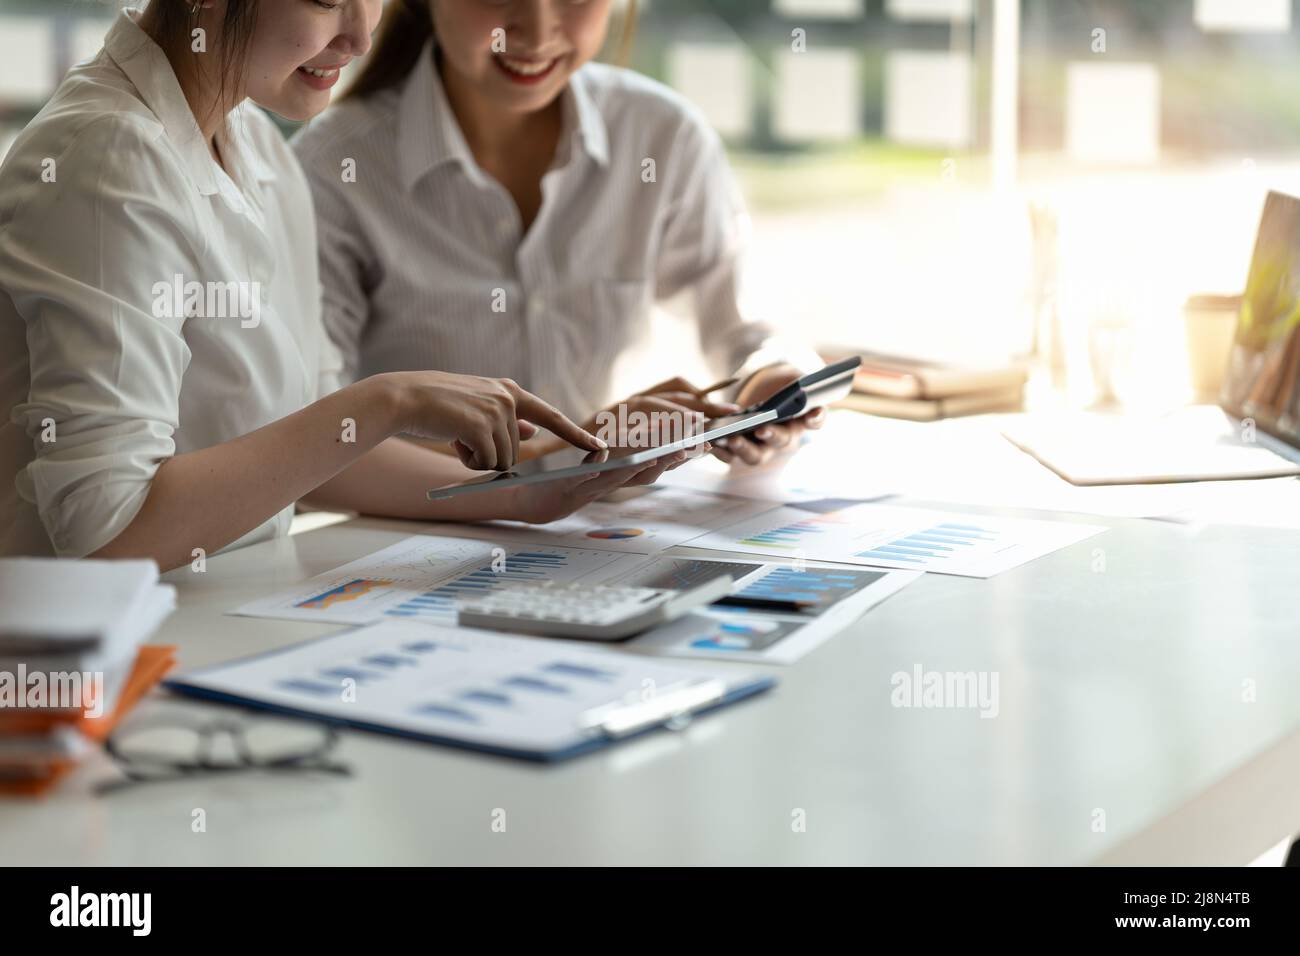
(489, 201)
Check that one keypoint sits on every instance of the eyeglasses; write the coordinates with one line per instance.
(174, 748)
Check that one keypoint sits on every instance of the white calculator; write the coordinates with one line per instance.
(592, 612)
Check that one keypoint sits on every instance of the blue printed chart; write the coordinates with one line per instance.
(942, 542)
(833, 598)
(512, 568)
(891, 536)
(421, 577)
(816, 588)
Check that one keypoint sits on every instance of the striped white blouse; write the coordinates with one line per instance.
(424, 265)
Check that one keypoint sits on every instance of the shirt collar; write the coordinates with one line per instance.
(585, 119)
(240, 144)
(146, 66)
(429, 136)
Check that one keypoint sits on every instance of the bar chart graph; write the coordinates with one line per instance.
(940, 543)
(795, 536)
(896, 536)
(818, 588)
(509, 695)
(468, 690)
(440, 602)
(421, 577)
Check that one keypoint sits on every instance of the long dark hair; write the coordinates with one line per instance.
(405, 29)
(172, 26)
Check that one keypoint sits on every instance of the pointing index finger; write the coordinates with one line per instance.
(532, 409)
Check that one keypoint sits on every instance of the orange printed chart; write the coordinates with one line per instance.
(348, 591)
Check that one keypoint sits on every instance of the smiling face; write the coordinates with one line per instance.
(298, 48)
(518, 54)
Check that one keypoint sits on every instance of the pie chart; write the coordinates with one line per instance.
(615, 534)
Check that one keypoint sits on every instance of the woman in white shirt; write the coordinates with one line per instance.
(490, 201)
(168, 383)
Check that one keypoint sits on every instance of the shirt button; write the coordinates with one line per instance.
(504, 227)
(537, 303)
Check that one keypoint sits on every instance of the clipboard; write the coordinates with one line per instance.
(531, 699)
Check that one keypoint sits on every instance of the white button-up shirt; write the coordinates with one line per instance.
(150, 304)
(424, 262)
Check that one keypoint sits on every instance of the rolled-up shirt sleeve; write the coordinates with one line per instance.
(701, 250)
(85, 259)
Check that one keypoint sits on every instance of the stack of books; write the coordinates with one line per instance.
(71, 660)
(918, 390)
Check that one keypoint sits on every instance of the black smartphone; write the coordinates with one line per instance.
(814, 390)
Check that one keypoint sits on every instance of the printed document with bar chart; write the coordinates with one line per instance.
(420, 577)
(516, 696)
(891, 536)
(832, 597)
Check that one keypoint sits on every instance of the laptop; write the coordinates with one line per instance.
(1253, 431)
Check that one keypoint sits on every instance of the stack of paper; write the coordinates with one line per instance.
(897, 387)
(71, 664)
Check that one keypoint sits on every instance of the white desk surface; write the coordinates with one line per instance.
(1121, 690)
